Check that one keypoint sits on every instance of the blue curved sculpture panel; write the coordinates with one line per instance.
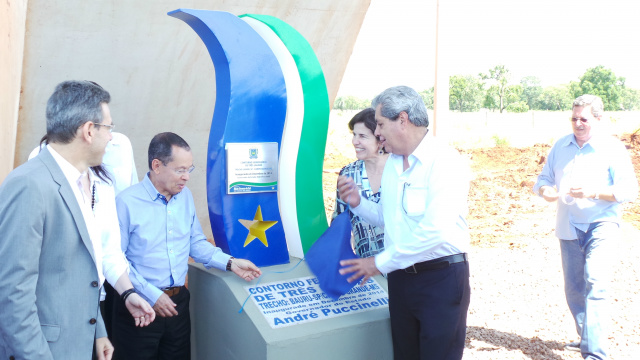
(250, 108)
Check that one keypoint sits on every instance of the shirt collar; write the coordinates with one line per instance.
(154, 194)
(595, 141)
(70, 172)
(419, 154)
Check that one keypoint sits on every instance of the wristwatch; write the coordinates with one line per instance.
(229, 263)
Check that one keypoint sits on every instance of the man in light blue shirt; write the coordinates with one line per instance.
(590, 175)
(160, 230)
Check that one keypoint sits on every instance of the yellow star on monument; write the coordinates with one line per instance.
(257, 228)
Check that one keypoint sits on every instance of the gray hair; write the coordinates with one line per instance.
(597, 107)
(72, 104)
(397, 99)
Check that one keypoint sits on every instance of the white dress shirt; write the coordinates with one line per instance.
(74, 178)
(101, 222)
(423, 208)
(118, 159)
(114, 263)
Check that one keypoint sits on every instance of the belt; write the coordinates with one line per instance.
(435, 264)
(172, 290)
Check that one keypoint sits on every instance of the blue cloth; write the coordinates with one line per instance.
(159, 236)
(323, 258)
(603, 164)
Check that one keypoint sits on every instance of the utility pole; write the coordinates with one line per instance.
(436, 88)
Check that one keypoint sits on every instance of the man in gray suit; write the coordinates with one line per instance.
(51, 268)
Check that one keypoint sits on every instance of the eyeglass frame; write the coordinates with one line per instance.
(110, 127)
(182, 171)
(582, 120)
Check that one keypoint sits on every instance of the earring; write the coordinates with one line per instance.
(381, 151)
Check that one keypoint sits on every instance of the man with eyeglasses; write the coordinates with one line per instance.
(589, 173)
(425, 185)
(52, 257)
(160, 230)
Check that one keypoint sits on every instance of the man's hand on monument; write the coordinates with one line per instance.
(348, 191)
(140, 309)
(360, 267)
(164, 306)
(245, 269)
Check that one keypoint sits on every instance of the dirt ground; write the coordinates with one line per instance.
(518, 309)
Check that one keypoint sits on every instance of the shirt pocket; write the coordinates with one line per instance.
(51, 332)
(414, 200)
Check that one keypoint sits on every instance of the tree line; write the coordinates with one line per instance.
(494, 90)
(350, 102)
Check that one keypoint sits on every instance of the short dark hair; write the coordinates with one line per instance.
(72, 104)
(161, 147)
(367, 117)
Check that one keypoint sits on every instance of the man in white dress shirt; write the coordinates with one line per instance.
(425, 185)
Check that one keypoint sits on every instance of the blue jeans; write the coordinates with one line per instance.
(588, 268)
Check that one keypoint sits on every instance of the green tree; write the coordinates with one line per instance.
(491, 100)
(531, 91)
(512, 94)
(518, 107)
(602, 82)
(465, 93)
(630, 99)
(498, 78)
(427, 97)
(350, 102)
(556, 98)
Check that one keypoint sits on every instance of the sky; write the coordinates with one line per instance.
(554, 40)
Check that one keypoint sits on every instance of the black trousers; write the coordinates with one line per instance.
(428, 312)
(167, 338)
(106, 307)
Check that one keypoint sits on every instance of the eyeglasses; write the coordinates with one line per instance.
(110, 127)
(583, 120)
(183, 171)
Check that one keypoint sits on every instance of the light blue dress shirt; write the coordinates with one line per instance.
(423, 209)
(159, 236)
(602, 164)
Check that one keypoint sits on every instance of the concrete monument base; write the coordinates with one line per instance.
(219, 331)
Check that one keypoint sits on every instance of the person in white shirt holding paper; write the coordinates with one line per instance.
(425, 185)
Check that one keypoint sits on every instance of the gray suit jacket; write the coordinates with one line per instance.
(49, 293)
